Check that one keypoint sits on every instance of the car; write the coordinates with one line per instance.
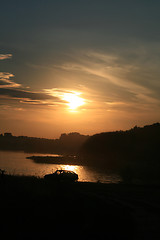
(62, 176)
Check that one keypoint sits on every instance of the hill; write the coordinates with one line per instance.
(134, 153)
(67, 143)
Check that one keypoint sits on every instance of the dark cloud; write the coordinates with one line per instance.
(22, 94)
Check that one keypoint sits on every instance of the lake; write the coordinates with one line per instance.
(16, 163)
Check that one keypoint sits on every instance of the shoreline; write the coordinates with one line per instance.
(69, 159)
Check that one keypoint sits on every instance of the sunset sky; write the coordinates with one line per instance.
(78, 65)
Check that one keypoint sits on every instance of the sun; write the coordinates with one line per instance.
(73, 100)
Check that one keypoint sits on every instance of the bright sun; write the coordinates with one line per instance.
(73, 100)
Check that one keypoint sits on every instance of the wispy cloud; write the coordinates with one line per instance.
(129, 77)
(71, 98)
(5, 77)
(29, 97)
(59, 92)
(7, 82)
(5, 56)
(15, 92)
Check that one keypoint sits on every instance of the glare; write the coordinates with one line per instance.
(73, 100)
(70, 167)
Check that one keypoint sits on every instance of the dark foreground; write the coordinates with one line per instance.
(34, 209)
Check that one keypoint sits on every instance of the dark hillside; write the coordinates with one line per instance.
(67, 143)
(136, 150)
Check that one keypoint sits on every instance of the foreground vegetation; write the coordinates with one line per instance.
(34, 208)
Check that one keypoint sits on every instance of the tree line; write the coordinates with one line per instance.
(134, 153)
(67, 143)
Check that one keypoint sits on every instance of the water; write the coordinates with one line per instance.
(16, 163)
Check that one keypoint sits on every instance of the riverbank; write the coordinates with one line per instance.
(59, 159)
(33, 208)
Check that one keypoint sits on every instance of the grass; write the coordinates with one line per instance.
(32, 207)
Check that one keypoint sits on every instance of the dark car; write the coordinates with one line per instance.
(62, 175)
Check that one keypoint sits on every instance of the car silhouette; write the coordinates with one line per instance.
(62, 175)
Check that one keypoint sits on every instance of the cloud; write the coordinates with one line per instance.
(59, 92)
(12, 91)
(67, 95)
(126, 76)
(28, 97)
(5, 56)
(5, 77)
(7, 82)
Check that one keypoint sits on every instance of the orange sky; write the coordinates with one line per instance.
(75, 67)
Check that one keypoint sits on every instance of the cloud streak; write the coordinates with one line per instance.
(28, 97)
(5, 77)
(5, 56)
(118, 77)
(7, 82)
(12, 91)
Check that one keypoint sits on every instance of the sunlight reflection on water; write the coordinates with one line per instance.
(16, 163)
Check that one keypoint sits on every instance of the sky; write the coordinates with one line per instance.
(85, 66)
